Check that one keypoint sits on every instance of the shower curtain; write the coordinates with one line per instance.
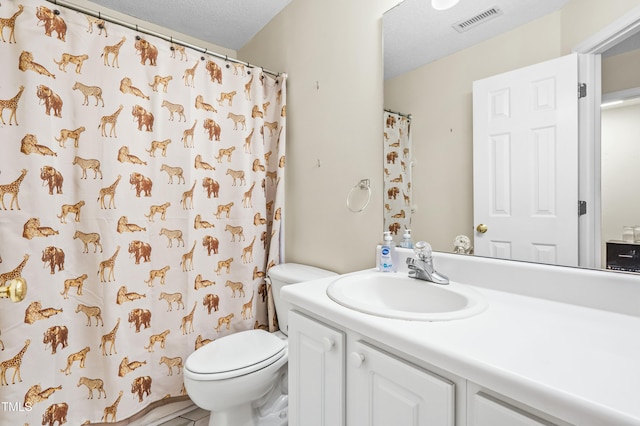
(142, 193)
(397, 173)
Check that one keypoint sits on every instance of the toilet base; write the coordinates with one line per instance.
(239, 416)
(275, 414)
(249, 416)
(272, 409)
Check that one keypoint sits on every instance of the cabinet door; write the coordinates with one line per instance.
(316, 373)
(383, 391)
(486, 410)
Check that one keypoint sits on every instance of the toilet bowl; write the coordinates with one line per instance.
(242, 378)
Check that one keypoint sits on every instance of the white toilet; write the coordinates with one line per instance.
(242, 378)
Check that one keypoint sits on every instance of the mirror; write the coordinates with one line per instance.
(620, 129)
(438, 95)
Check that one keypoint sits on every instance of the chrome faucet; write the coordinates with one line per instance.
(421, 266)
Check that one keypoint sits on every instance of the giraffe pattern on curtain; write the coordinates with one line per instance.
(141, 195)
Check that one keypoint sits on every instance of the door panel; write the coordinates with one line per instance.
(525, 156)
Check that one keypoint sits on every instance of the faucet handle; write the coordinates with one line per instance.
(423, 250)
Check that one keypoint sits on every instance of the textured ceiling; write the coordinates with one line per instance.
(415, 34)
(226, 23)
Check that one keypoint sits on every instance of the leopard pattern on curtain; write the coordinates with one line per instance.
(142, 194)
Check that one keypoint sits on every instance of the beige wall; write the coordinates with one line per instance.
(439, 97)
(332, 52)
(583, 18)
(620, 72)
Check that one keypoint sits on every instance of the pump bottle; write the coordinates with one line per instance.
(406, 242)
(385, 262)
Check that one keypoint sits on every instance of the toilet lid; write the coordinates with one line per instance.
(237, 354)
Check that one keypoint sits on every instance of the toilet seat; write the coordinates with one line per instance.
(235, 355)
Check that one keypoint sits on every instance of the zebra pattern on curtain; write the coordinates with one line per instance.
(397, 173)
(141, 190)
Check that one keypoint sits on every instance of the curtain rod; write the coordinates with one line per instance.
(153, 33)
(399, 113)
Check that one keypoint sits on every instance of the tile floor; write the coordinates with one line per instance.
(197, 417)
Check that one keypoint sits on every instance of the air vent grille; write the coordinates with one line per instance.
(480, 18)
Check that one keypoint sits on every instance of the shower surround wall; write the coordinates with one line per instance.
(142, 190)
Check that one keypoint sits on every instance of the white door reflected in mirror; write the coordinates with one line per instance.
(525, 163)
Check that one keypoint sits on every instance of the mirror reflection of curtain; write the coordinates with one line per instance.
(143, 187)
(397, 173)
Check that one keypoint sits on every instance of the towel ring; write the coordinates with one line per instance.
(363, 184)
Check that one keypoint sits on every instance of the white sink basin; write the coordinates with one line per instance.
(395, 295)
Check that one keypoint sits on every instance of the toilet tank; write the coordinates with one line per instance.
(291, 273)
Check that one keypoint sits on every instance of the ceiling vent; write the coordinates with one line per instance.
(480, 18)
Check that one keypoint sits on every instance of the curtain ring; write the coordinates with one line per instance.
(363, 184)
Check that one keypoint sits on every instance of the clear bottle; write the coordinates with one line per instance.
(406, 242)
(385, 262)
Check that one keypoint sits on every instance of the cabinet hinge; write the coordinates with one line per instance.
(582, 90)
(582, 208)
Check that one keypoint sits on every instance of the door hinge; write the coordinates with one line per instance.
(582, 90)
(582, 208)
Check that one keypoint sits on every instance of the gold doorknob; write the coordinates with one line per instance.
(16, 290)
(482, 228)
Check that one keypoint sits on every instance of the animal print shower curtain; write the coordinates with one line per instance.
(397, 173)
(141, 189)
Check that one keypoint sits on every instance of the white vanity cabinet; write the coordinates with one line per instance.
(540, 354)
(327, 369)
(385, 390)
(316, 373)
(337, 379)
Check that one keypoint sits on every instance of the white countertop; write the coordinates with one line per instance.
(576, 363)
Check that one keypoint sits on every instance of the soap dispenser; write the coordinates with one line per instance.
(406, 242)
(385, 261)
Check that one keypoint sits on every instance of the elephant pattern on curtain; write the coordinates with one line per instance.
(141, 189)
